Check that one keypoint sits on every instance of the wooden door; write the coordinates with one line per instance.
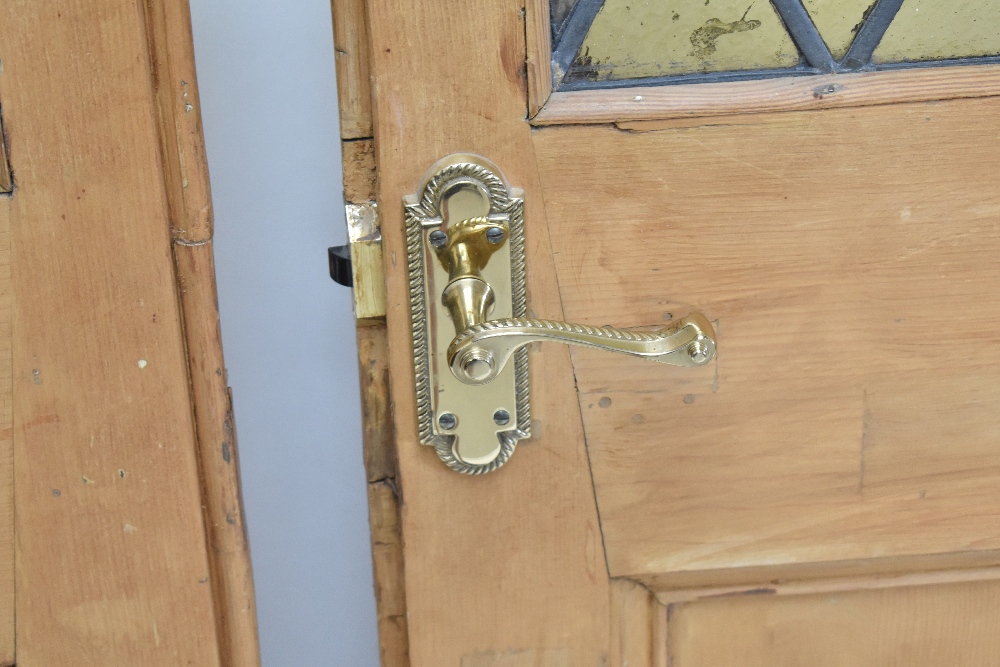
(824, 492)
(121, 531)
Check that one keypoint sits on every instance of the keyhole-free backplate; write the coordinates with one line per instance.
(473, 428)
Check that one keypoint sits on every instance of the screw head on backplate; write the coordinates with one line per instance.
(495, 235)
(447, 421)
(438, 238)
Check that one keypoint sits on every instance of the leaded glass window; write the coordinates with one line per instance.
(611, 43)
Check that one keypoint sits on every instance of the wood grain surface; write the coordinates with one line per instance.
(122, 422)
(848, 258)
(538, 57)
(358, 158)
(844, 438)
(218, 450)
(350, 38)
(638, 626)
(378, 432)
(924, 626)
(111, 560)
(779, 94)
(383, 494)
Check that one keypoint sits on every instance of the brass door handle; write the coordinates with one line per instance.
(479, 353)
(468, 307)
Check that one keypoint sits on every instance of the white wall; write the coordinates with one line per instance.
(269, 104)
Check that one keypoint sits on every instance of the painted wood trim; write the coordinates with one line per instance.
(185, 171)
(780, 94)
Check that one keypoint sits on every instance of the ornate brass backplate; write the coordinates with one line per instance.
(463, 197)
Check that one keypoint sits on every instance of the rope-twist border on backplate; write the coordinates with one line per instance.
(519, 301)
(416, 215)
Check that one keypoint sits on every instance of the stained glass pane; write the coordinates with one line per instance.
(940, 30)
(838, 21)
(632, 39)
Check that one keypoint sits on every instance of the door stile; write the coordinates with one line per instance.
(491, 569)
(189, 204)
(352, 44)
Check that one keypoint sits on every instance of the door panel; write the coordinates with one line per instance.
(923, 626)
(848, 259)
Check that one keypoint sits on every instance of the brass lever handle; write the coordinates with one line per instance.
(480, 353)
(465, 253)
(482, 347)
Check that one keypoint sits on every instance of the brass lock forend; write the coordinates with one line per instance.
(465, 253)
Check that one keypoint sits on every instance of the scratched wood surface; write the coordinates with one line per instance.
(383, 494)
(848, 257)
(111, 562)
(924, 626)
(358, 158)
